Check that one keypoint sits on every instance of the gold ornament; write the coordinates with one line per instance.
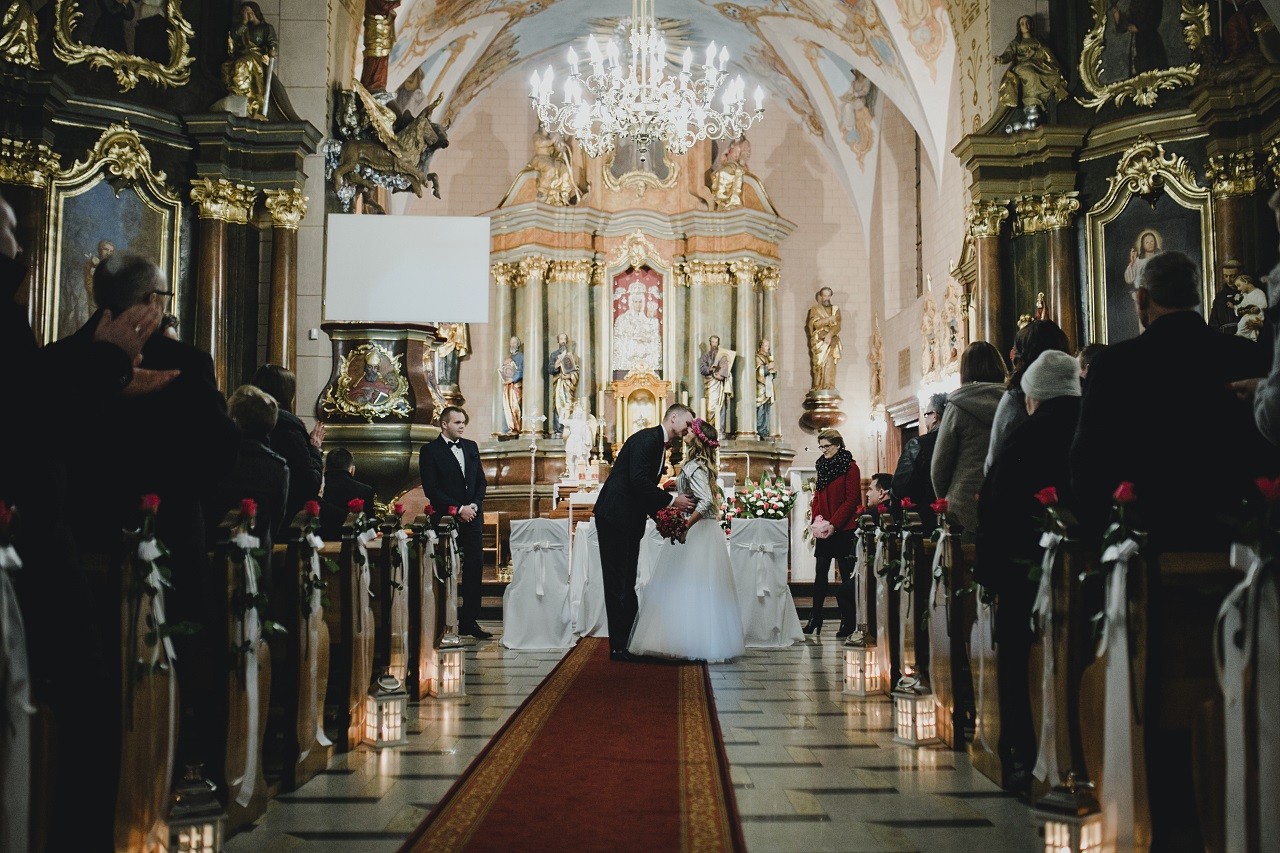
(635, 250)
(1143, 88)
(287, 208)
(1145, 166)
(223, 200)
(370, 385)
(27, 163)
(18, 32)
(1234, 174)
(379, 35)
(1049, 212)
(985, 217)
(128, 69)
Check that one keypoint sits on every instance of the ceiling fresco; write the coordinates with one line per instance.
(832, 63)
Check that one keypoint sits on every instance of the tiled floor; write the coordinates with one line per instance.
(813, 769)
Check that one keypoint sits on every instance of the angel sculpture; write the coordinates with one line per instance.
(579, 435)
(377, 150)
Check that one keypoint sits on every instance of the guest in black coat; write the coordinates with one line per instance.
(289, 438)
(913, 479)
(1034, 457)
(453, 480)
(260, 474)
(340, 488)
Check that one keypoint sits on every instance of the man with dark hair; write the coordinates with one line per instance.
(880, 491)
(453, 480)
(912, 479)
(340, 488)
(290, 439)
(629, 496)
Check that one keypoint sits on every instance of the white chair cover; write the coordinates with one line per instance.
(586, 597)
(758, 553)
(535, 606)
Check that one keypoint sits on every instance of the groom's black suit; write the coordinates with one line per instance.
(628, 497)
(447, 489)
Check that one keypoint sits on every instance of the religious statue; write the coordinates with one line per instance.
(579, 435)
(725, 177)
(716, 366)
(91, 263)
(553, 161)
(251, 46)
(456, 346)
(1033, 76)
(512, 373)
(563, 368)
(19, 31)
(929, 337)
(822, 327)
(875, 357)
(766, 374)
(1222, 316)
(379, 38)
(637, 337)
(1250, 307)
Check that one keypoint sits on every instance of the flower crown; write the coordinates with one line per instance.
(696, 427)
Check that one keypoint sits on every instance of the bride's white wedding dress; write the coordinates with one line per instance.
(689, 607)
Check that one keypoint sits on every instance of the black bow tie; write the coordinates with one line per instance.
(452, 443)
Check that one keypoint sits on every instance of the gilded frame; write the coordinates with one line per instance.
(339, 399)
(638, 180)
(638, 251)
(120, 159)
(1145, 169)
(129, 69)
(1143, 89)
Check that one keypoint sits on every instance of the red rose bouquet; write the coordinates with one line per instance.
(672, 524)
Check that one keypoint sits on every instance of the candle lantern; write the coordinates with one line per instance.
(450, 674)
(861, 671)
(1070, 818)
(915, 717)
(196, 821)
(384, 712)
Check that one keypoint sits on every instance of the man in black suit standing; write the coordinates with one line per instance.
(453, 481)
(630, 495)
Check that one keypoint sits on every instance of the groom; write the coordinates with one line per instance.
(630, 495)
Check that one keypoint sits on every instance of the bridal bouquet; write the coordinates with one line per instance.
(672, 524)
(769, 498)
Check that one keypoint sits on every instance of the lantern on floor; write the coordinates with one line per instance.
(915, 716)
(450, 673)
(861, 671)
(196, 821)
(1070, 818)
(384, 709)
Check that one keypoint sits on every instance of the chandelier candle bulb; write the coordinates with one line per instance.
(573, 60)
(688, 60)
(759, 99)
(711, 55)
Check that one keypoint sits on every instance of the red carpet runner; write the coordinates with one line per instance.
(601, 756)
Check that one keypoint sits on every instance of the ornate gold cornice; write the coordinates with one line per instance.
(1048, 212)
(635, 250)
(1233, 174)
(19, 32)
(287, 208)
(530, 270)
(743, 272)
(27, 163)
(129, 69)
(706, 274)
(570, 272)
(1143, 88)
(1145, 166)
(223, 200)
(985, 217)
(503, 274)
(769, 277)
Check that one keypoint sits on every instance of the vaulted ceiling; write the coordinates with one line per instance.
(804, 52)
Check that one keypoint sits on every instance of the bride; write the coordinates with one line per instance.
(689, 608)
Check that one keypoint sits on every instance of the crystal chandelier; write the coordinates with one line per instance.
(639, 100)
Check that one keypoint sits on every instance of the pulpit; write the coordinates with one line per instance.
(639, 401)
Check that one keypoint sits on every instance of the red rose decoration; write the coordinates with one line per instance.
(907, 503)
(1048, 496)
(453, 510)
(249, 507)
(312, 508)
(1124, 493)
(6, 516)
(861, 510)
(428, 510)
(398, 509)
(1270, 489)
(150, 503)
(940, 506)
(355, 505)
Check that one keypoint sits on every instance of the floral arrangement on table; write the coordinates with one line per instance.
(672, 524)
(768, 498)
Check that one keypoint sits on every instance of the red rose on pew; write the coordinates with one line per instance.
(939, 506)
(312, 508)
(398, 509)
(1125, 494)
(1270, 489)
(355, 505)
(1048, 496)
(6, 516)
(150, 503)
(907, 503)
(861, 510)
(428, 509)
(249, 507)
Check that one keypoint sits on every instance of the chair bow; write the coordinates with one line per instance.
(762, 555)
(148, 552)
(939, 570)
(539, 551)
(1117, 741)
(251, 636)
(1042, 622)
(315, 543)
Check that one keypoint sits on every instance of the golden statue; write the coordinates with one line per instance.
(553, 161)
(822, 327)
(875, 357)
(1034, 74)
(251, 46)
(725, 177)
(512, 373)
(18, 32)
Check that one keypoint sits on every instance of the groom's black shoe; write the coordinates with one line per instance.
(622, 655)
(474, 630)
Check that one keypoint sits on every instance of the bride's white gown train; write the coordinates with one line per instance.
(689, 607)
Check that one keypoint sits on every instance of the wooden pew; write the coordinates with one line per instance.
(351, 635)
(951, 612)
(249, 681)
(424, 626)
(391, 602)
(300, 663)
(985, 670)
(888, 652)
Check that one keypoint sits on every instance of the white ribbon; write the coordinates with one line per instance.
(1118, 748)
(939, 568)
(400, 599)
(1042, 622)
(860, 569)
(251, 633)
(316, 543)
(762, 556)
(366, 583)
(882, 604)
(148, 552)
(451, 583)
(983, 636)
(538, 550)
(15, 729)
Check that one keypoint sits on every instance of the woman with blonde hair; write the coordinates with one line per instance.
(689, 607)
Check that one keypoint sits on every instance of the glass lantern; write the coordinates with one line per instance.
(384, 712)
(196, 821)
(1070, 818)
(450, 674)
(861, 671)
(915, 717)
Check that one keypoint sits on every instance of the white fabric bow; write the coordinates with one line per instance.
(939, 567)
(1117, 742)
(251, 634)
(538, 550)
(315, 543)
(148, 552)
(1042, 622)
(762, 555)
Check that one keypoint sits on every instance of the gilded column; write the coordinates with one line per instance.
(533, 270)
(28, 166)
(985, 218)
(504, 283)
(287, 209)
(219, 203)
(746, 333)
(1054, 214)
(379, 38)
(1233, 178)
(769, 280)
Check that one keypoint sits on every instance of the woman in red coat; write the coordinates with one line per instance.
(836, 500)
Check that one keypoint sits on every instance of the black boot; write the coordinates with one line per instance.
(813, 626)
